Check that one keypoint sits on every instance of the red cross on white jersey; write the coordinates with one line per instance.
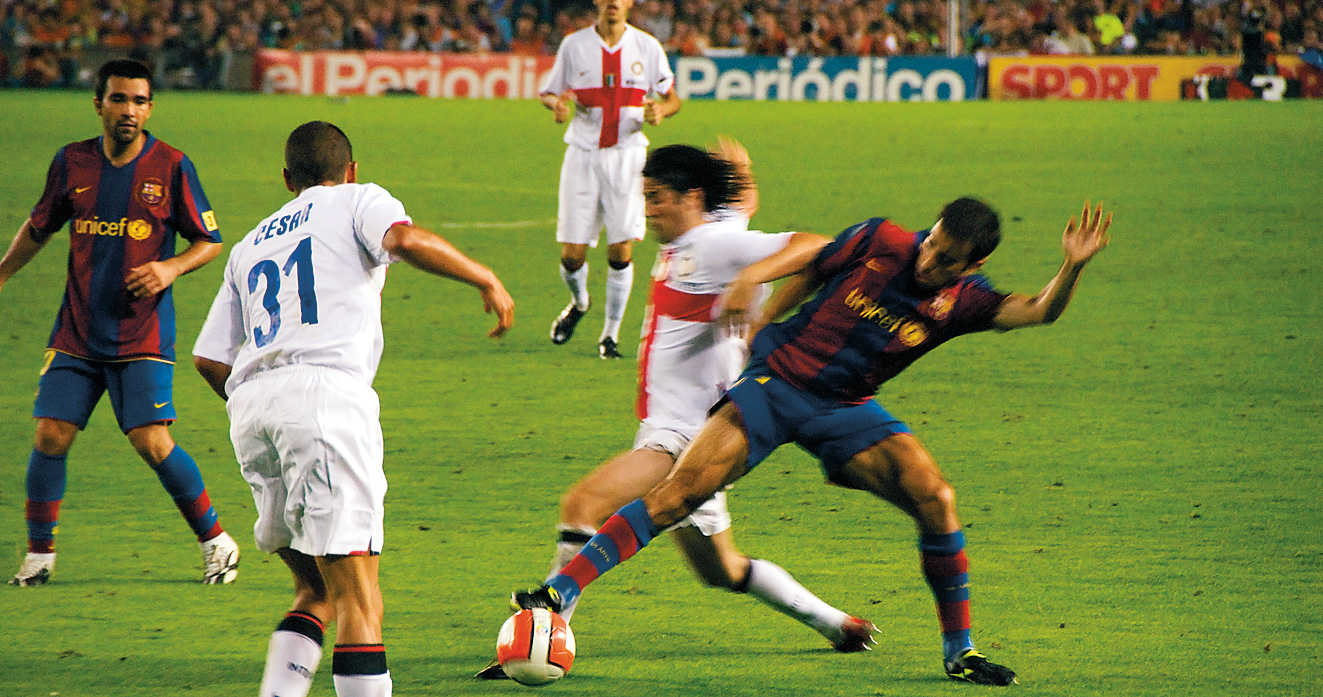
(610, 84)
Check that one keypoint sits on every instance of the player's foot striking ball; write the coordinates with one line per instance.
(535, 647)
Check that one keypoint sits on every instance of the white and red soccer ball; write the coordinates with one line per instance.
(535, 647)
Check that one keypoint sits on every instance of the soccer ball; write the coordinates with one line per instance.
(535, 647)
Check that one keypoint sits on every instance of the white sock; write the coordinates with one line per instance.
(565, 551)
(363, 685)
(776, 587)
(577, 282)
(291, 660)
(619, 282)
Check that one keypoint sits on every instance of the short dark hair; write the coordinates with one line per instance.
(684, 168)
(317, 152)
(973, 222)
(125, 68)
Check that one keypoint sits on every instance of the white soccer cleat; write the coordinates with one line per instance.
(220, 559)
(36, 570)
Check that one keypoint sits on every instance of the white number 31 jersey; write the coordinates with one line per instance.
(304, 286)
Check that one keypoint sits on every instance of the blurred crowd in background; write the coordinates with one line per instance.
(41, 41)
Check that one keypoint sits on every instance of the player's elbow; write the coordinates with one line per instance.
(403, 240)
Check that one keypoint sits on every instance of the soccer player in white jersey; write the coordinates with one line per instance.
(292, 343)
(607, 77)
(699, 205)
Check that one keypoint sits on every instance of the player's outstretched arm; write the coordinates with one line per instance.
(431, 253)
(738, 302)
(20, 252)
(153, 277)
(787, 297)
(1080, 243)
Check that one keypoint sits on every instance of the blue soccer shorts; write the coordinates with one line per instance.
(141, 391)
(776, 412)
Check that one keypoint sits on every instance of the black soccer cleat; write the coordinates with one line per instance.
(542, 596)
(974, 667)
(606, 348)
(563, 328)
(493, 671)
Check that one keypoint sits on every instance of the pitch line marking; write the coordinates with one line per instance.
(511, 224)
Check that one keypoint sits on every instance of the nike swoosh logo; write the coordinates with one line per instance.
(158, 406)
(81, 189)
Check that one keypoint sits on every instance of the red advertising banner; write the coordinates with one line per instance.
(332, 73)
(1142, 78)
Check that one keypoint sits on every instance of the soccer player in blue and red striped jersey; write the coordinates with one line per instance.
(126, 197)
(885, 297)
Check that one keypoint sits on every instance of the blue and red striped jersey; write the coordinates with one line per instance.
(122, 217)
(869, 321)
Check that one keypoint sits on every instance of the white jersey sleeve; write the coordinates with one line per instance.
(304, 287)
(555, 80)
(375, 212)
(659, 69)
(223, 333)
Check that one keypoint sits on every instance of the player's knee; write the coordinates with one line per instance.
(54, 439)
(619, 264)
(577, 506)
(668, 505)
(153, 445)
(940, 495)
(571, 263)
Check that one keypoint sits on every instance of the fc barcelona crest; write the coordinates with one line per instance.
(940, 305)
(152, 192)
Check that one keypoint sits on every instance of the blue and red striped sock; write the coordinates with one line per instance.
(45, 490)
(620, 537)
(181, 478)
(947, 572)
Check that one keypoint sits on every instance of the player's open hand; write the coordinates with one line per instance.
(564, 106)
(150, 278)
(495, 299)
(1084, 238)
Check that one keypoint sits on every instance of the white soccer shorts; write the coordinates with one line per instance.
(309, 443)
(600, 187)
(710, 518)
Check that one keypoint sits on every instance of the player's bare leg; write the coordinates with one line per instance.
(602, 492)
(619, 284)
(718, 563)
(181, 478)
(295, 648)
(715, 458)
(900, 470)
(359, 662)
(574, 273)
(46, 477)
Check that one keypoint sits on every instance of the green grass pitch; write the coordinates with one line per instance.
(1141, 482)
